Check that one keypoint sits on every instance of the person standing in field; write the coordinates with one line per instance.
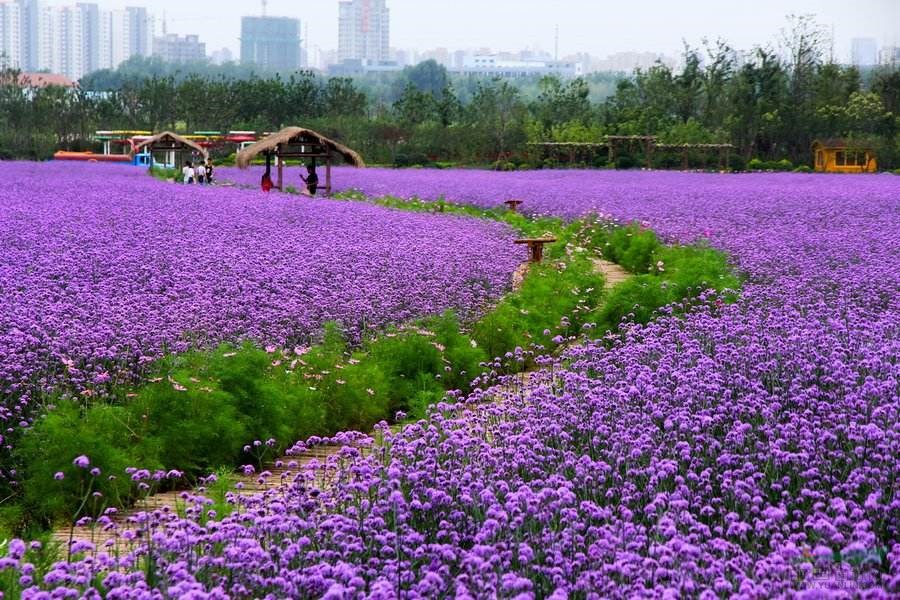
(200, 172)
(188, 172)
(311, 180)
(209, 171)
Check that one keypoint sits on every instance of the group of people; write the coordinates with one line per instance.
(200, 173)
(310, 182)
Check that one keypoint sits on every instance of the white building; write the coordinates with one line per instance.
(222, 56)
(10, 36)
(493, 65)
(364, 31)
(889, 56)
(71, 40)
(864, 52)
(69, 50)
(175, 48)
(124, 34)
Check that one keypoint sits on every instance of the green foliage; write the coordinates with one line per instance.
(216, 487)
(554, 298)
(756, 164)
(632, 246)
(676, 273)
(109, 433)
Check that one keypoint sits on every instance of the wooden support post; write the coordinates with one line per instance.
(328, 173)
(536, 247)
(280, 160)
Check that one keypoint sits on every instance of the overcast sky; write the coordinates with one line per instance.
(600, 27)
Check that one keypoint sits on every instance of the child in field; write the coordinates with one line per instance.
(188, 172)
(209, 171)
(266, 182)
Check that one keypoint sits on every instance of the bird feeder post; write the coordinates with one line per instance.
(536, 247)
(513, 205)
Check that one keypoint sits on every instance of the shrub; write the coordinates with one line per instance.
(803, 169)
(545, 303)
(463, 359)
(109, 433)
(756, 164)
(192, 430)
(782, 165)
(631, 246)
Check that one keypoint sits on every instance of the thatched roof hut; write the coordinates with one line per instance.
(298, 142)
(301, 143)
(171, 143)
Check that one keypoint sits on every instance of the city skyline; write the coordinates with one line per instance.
(77, 37)
(655, 26)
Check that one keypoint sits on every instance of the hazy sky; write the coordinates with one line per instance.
(600, 27)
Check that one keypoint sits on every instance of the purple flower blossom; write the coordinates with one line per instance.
(735, 449)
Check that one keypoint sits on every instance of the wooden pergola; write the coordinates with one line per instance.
(299, 143)
(174, 146)
(724, 151)
(648, 143)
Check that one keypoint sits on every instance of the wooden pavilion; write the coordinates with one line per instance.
(177, 149)
(299, 143)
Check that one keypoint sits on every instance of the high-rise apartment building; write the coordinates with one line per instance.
(364, 31)
(71, 40)
(68, 51)
(179, 49)
(89, 14)
(864, 52)
(139, 31)
(10, 35)
(272, 43)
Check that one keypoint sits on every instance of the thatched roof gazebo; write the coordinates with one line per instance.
(174, 145)
(298, 142)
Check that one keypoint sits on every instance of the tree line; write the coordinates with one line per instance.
(771, 104)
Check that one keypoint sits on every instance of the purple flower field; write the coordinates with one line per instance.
(747, 450)
(103, 268)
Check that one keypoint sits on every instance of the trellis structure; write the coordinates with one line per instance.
(175, 147)
(647, 143)
(299, 143)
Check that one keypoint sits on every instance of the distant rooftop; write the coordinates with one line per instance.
(42, 80)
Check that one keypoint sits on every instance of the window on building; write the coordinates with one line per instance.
(820, 159)
(841, 159)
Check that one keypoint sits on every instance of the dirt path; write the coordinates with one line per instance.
(121, 534)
